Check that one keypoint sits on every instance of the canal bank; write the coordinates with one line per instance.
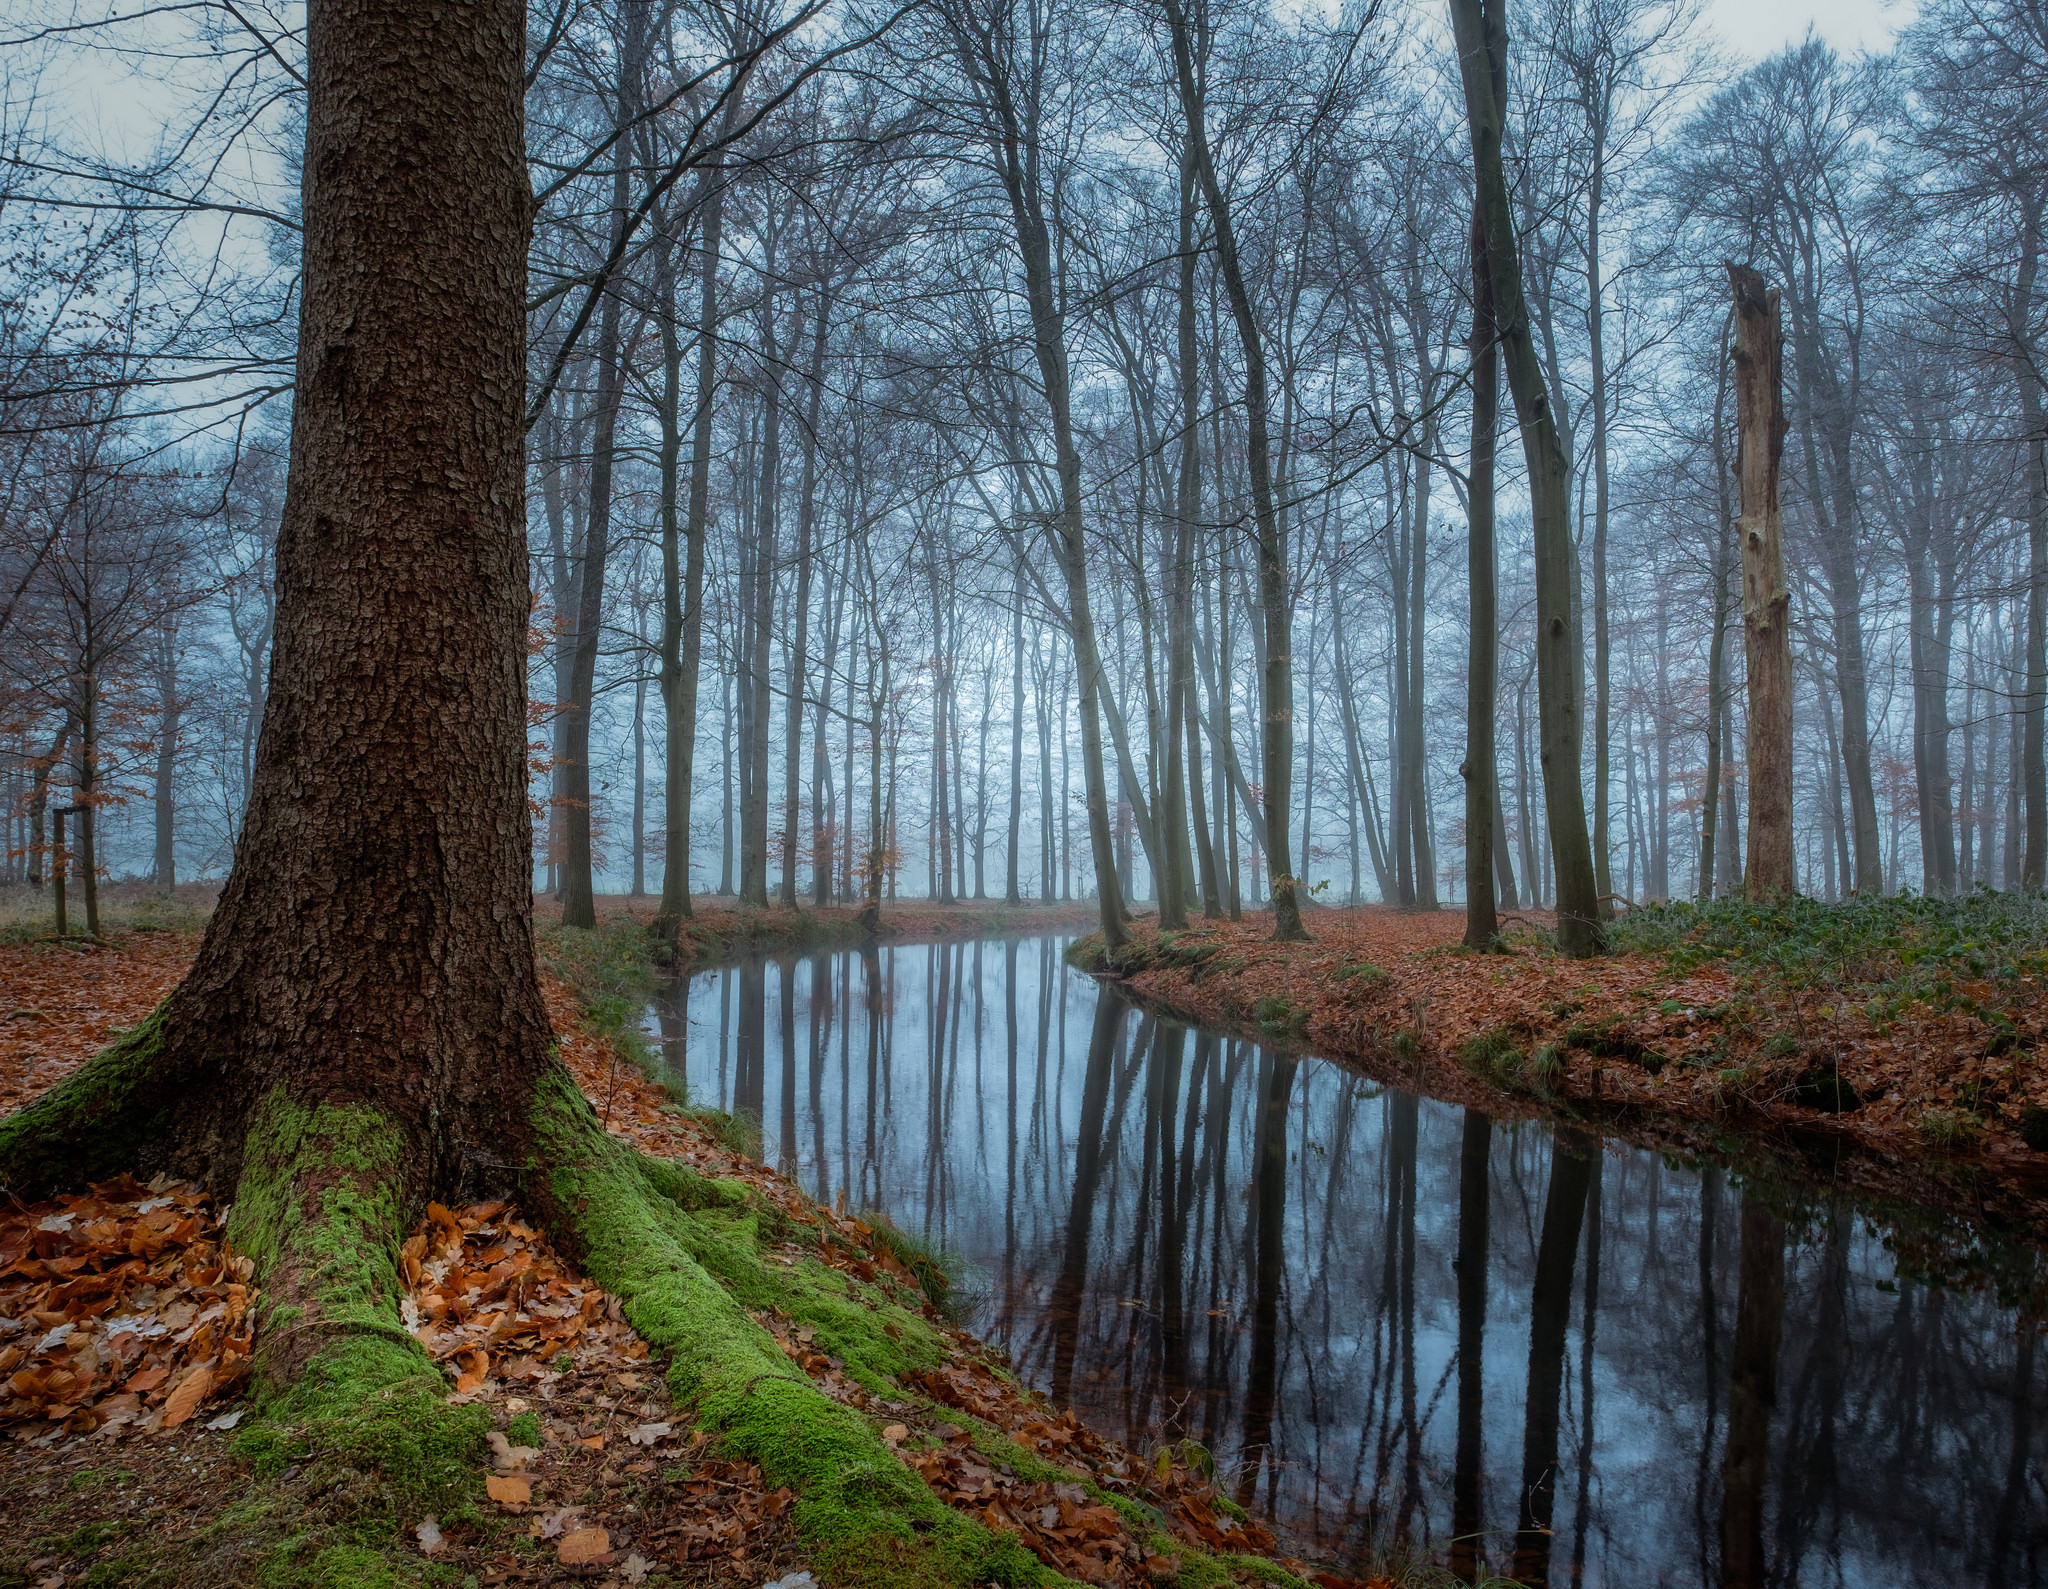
(1403, 1327)
(1892, 1051)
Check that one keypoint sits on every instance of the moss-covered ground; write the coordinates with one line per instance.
(805, 1361)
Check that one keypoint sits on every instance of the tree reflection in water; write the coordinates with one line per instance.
(1396, 1323)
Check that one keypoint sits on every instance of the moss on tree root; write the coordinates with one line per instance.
(92, 1125)
(687, 1270)
(352, 1435)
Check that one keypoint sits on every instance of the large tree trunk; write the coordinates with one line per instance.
(682, 621)
(1481, 32)
(1275, 600)
(1766, 603)
(1482, 921)
(363, 1026)
(364, 1010)
(579, 908)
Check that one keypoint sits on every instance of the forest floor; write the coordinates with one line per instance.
(1894, 1048)
(126, 1332)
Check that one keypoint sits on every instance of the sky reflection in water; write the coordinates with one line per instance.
(1392, 1320)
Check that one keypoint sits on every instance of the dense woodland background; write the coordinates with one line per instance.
(825, 296)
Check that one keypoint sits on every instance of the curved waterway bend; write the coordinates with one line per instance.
(1396, 1323)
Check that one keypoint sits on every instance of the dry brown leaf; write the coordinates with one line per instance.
(185, 1400)
(585, 1545)
(479, 1364)
(508, 1489)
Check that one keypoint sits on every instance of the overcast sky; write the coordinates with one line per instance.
(1756, 28)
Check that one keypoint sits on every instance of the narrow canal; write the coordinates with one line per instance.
(1397, 1324)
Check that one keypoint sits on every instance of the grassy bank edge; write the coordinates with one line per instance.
(1961, 1214)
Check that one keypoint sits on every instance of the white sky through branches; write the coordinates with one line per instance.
(1755, 28)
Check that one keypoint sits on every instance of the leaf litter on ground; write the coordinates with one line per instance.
(620, 1485)
(123, 1310)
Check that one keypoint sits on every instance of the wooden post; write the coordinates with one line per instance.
(1766, 603)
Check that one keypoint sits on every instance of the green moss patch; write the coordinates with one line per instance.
(93, 1124)
(687, 1281)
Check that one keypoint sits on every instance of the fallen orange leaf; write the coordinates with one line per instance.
(508, 1489)
(586, 1544)
(185, 1400)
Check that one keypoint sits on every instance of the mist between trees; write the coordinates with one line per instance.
(981, 451)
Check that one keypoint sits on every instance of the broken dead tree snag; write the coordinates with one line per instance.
(1758, 353)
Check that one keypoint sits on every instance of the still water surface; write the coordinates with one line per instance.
(1395, 1322)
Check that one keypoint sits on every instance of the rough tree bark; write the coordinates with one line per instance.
(1766, 603)
(363, 1027)
(1482, 797)
(371, 958)
(1481, 32)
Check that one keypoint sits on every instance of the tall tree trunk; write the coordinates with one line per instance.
(682, 610)
(639, 775)
(1766, 603)
(1415, 749)
(170, 716)
(1596, 325)
(2034, 764)
(1011, 887)
(758, 598)
(579, 908)
(800, 606)
(1480, 27)
(1717, 639)
(1171, 814)
(1275, 598)
(824, 845)
(1187, 510)
(363, 1020)
(1482, 798)
(1012, 141)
